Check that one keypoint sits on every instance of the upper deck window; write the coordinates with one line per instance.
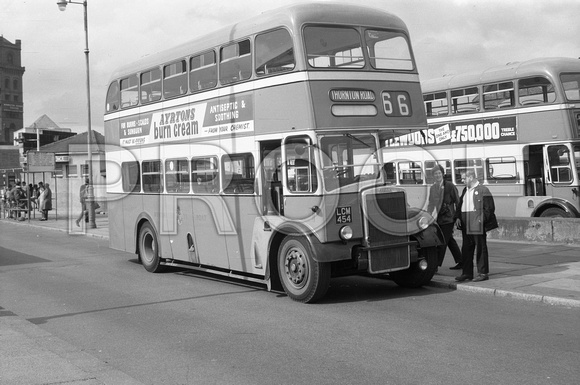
(436, 104)
(571, 84)
(333, 47)
(465, 100)
(203, 71)
(388, 50)
(535, 90)
(112, 103)
(175, 79)
(235, 62)
(274, 52)
(129, 91)
(498, 95)
(151, 86)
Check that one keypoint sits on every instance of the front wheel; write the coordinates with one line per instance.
(149, 249)
(303, 279)
(420, 272)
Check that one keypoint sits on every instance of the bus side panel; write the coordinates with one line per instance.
(198, 217)
(117, 233)
(151, 204)
(243, 212)
(274, 114)
(554, 122)
(323, 104)
(301, 208)
(503, 197)
(122, 228)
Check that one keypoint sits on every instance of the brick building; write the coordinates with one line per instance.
(11, 97)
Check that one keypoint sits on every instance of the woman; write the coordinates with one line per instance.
(45, 201)
(444, 198)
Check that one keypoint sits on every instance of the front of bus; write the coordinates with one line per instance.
(365, 90)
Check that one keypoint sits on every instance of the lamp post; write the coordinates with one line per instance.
(89, 190)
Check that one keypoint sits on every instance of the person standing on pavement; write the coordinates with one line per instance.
(41, 196)
(83, 198)
(443, 198)
(46, 202)
(475, 216)
(20, 200)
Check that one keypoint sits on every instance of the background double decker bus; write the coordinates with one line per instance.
(254, 152)
(517, 126)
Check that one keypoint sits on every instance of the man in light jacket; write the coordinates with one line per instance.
(475, 217)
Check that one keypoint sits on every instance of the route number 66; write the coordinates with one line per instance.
(396, 103)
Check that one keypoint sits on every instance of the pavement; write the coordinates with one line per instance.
(546, 273)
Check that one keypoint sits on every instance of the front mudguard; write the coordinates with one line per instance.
(430, 237)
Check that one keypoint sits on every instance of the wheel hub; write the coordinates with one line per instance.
(295, 264)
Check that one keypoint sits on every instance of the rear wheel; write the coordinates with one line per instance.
(420, 272)
(555, 212)
(303, 279)
(149, 249)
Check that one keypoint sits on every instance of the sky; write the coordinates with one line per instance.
(448, 37)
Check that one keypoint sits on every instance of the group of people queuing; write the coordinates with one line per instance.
(20, 199)
(473, 212)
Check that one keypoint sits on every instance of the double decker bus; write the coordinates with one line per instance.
(516, 125)
(254, 152)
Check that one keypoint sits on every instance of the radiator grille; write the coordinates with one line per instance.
(386, 228)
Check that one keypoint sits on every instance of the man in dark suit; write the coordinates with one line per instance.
(443, 198)
(475, 216)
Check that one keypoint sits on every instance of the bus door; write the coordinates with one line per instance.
(301, 181)
(271, 173)
(561, 172)
(534, 170)
(271, 201)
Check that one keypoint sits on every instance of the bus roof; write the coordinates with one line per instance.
(291, 17)
(535, 67)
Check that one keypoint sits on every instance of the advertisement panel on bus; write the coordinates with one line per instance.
(479, 131)
(223, 116)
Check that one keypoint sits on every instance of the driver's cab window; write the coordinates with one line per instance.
(349, 159)
(560, 164)
(300, 169)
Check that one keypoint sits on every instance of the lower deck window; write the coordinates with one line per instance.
(131, 177)
(152, 178)
(205, 175)
(502, 170)
(177, 175)
(238, 177)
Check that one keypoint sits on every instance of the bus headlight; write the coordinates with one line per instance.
(423, 222)
(345, 233)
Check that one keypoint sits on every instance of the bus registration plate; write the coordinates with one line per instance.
(343, 215)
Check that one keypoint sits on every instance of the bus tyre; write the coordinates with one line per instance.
(303, 279)
(149, 249)
(415, 276)
(555, 212)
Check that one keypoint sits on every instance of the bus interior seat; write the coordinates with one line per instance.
(466, 109)
(530, 102)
